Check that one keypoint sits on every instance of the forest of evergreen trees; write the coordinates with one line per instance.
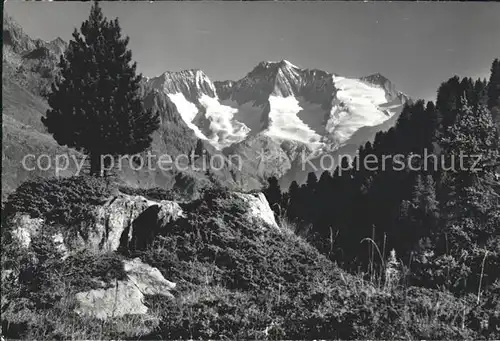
(440, 221)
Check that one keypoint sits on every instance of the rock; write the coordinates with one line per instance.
(116, 221)
(148, 279)
(126, 296)
(7, 274)
(112, 220)
(118, 215)
(169, 211)
(25, 228)
(58, 239)
(259, 209)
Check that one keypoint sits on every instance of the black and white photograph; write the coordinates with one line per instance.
(250, 170)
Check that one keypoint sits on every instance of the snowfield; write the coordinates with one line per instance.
(187, 111)
(284, 123)
(225, 130)
(357, 105)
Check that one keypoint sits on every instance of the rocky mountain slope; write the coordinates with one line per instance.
(28, 69)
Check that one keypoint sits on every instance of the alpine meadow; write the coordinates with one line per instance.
(355, 199)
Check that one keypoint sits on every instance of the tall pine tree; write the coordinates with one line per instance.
(494, 92)
(96, 105)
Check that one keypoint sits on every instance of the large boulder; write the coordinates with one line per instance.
(117, 216)
(122, 299)
(258, 209)
(125, 297)
(147, 279)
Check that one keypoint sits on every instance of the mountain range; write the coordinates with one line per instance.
(273, 118)
(281, 110)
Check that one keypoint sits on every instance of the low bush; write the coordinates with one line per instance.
(63, 201)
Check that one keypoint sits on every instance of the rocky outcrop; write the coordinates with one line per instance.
(117, 216)
(128, 222)
(125, 297)
(113, 224)
(258, 209)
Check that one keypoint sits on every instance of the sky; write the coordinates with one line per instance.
(416, 45)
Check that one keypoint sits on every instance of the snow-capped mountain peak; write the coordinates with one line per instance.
(192, 83)
(267, 65)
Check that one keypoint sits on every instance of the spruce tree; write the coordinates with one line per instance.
(429, 128)
(418, 215)
(449, 99)
(273, 195)
(472, 207)
(294, 207)
(322, 201)
(494, 93)
(95, 104)
(310, 196)
(474, 136)
(198, 151)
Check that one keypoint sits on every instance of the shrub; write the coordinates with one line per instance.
(63, 201)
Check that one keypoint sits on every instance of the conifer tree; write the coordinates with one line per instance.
(472, 207)
(294, 207)
(198, 151)
(322, 201)
(312, 181)
(474, 136)
(96, 105)
(447, 100)
(419, 214)
(273, 195)
(431, 128)
(494, 92)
